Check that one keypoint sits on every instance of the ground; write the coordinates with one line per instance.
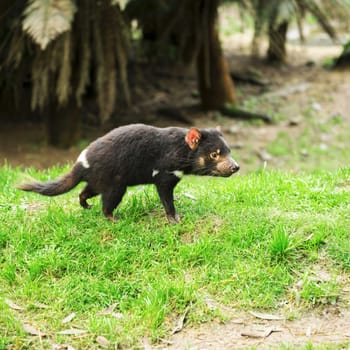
(310, 105)
(243, 331)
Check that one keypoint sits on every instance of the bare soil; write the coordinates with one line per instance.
(301, 86)
(327, 327)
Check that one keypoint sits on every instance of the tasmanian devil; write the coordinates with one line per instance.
(142, 154)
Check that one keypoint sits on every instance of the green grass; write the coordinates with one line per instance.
(245, 241)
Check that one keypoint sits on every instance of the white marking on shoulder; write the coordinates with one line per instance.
(83, 160)
(178, 173)
(155, 172)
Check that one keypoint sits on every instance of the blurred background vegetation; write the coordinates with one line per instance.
(69, 62)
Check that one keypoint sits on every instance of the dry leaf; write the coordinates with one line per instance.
(190, 196)
(45, 20)
(266, 316)
(62, 347)
(40, 305)
(32, 331)
(253, 333)
(102, 341)
(109, 310)
(72, 331)
(180, 323)
(166, 341)
(146, 344)
(238, 321)
(260, 333)
(118, 315)
(210, 303)
(69, 318)
(12, 305)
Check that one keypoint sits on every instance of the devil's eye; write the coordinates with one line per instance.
(214, 155)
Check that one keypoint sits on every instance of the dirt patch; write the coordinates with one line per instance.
(25, 145)
(331, 326)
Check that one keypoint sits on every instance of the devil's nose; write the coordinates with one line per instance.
(234, 167)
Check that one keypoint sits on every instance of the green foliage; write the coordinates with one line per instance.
(244, 241)
(280, 244)
(319, 292)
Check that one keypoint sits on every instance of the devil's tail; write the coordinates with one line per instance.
(55, 187)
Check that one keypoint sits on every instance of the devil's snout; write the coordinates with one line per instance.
(234, 167)
(227, 167)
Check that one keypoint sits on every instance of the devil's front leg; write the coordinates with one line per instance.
(165, 187)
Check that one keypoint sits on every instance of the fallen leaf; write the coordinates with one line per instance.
(146, 344)
(266, 316)
(238, 321)
(210, 303)
(12, 305)
(102, 341)
(190, 196)
(166, 341)
(118, 315)
(40, 305)
(256, 333)
(109, 310)
(69, 318)
(32, 331)
(62, 347)
(180, 323)
(259, 333)
(72, 331)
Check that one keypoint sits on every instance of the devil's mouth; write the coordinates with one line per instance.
(222, 174)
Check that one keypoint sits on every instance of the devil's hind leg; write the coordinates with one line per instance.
(110, 200)
(85, 194)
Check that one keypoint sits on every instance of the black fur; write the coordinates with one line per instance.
(142, 154)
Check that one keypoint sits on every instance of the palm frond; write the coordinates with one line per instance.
(44, 20)
(285, 11)
(65, 71)
(321, 16)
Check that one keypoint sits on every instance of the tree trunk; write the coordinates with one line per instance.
(63, 124)
(343, 61)
(277, 42)
(215, 85)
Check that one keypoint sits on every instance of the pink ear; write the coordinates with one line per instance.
(192, 138)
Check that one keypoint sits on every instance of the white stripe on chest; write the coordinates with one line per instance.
(83, 160)
(178, 173)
